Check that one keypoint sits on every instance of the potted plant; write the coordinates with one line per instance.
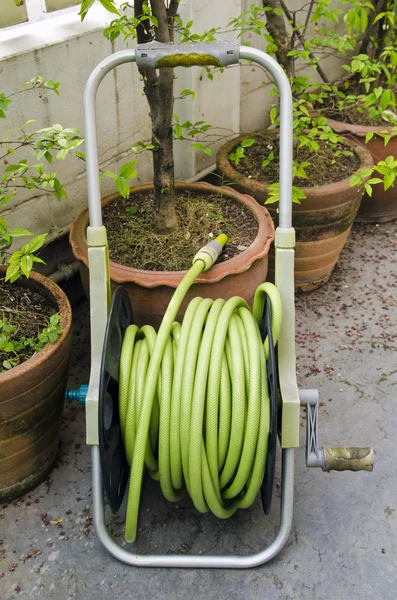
(174, 218)
(325, 163)
(363, 106)
(35, 314)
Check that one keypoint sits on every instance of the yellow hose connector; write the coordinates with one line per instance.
(211, 251)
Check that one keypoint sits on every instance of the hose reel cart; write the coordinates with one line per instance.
(215, 391)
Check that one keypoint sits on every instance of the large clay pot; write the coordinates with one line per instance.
(151, 291)
(31, 403)
(322, 221)
(382, 205)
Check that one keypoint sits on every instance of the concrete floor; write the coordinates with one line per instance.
(344, 539)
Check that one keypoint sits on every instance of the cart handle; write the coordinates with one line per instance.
(157, 55)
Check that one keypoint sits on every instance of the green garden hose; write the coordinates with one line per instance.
(194, 400)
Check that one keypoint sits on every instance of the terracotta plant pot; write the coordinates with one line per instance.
(151, 291)
(31, 403)
(322, 221)
(382, 205)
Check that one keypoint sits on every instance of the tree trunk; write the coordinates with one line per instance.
(277, 29)
(158, 89)
(379, 6)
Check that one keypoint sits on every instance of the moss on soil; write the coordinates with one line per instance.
(323, 167)
(133, 243)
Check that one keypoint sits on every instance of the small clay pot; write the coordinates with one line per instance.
(381, 207)
(322, 221)
(31, 402)
(150, 291)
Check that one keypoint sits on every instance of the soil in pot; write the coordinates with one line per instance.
(323, 219)
(151, 291)
(323, 168)
(381, 206)
(132, 241)
(28, 312)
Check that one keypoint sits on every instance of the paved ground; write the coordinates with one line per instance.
(344, 540)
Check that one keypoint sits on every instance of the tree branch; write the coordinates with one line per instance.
(302, 41)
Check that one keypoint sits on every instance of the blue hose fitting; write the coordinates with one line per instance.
(80, 394)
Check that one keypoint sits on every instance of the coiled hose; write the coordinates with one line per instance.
(194, 401)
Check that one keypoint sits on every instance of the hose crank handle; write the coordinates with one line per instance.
(348, 459)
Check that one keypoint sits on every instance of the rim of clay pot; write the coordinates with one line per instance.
(224, 165)
(54, 292)
(361, 130)
(149, 279)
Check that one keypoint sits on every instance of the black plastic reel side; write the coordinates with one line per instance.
(114, 465)
(272, 376)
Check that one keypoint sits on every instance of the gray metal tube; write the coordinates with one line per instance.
(91, 144)
(285, 205)
(196, 562)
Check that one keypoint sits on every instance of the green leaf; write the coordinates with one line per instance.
(248, 142)
(153, 20)
(355, 180)
(207, 151)
(62, 154)
(12, 272)
(36, 243)
(109, 174)
(55, 319)
(273, 114)
(188, 93)
(85, 7)
(18, 232)
(128, 170)
(131, 210)
(26, 265)
(109, 5)
(385, 99)
(389, 180)
(123, 187)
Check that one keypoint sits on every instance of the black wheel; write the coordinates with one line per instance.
(114, 465)
(272, 376)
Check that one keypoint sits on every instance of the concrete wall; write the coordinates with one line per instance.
(11, 14)
(63, 49)
(52, 5)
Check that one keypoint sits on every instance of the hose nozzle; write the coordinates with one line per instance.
(211, 251)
